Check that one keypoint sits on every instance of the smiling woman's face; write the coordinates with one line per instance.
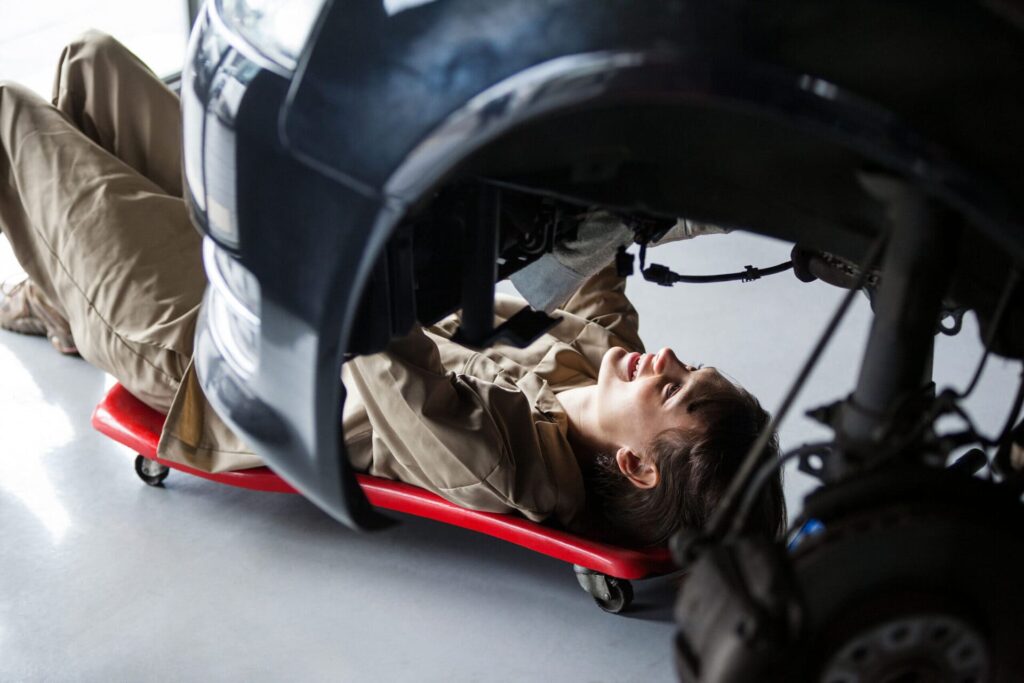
(641, 395)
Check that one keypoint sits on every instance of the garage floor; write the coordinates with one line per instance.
(105, 579)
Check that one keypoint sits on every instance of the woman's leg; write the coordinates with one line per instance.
(110, 247)
(112, 97)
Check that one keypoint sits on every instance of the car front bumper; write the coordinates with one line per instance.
(259, 353)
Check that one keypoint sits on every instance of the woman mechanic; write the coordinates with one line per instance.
(581, 428)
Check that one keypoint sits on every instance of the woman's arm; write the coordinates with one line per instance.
(469, 439)
(602, 299)
(548, 282)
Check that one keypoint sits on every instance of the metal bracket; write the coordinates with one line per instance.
(813, 464)
(480, 268)
(594, 583)
(521, 330)
(956, 316)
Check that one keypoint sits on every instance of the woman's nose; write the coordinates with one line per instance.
(665, 359)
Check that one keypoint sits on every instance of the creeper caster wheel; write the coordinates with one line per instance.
(150, 471)
(611, 594)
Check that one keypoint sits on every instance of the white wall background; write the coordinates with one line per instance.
(32, 34)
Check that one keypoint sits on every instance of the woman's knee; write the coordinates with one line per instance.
(83, 60)
(90, 45)
(12, 91)
(15, 100)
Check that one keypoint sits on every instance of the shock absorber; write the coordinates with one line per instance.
(897, 362)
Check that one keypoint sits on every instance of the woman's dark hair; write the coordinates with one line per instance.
(695, 466)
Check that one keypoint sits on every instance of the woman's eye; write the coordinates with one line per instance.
(672, 390)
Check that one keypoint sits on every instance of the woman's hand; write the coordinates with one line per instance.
(548, 282)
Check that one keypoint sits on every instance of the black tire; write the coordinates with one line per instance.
(620, 596)
(150, 479)
(913, 566)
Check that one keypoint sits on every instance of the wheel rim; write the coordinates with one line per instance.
(620, 595)
(913, 648)
(150, 471)
(151, 468)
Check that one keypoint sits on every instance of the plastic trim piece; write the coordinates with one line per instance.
(128, 421)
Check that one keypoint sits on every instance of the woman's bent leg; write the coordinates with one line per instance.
(115, 252)
(111, 95)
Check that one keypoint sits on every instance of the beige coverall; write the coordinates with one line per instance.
(90, 199)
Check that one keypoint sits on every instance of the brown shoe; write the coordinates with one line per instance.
(24, 309)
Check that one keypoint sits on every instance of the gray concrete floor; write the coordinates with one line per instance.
(105, 579)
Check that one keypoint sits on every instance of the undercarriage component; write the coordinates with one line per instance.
(480, 240)
(924, 587)
(520, 330)
(898, 359)
(913, 575)
(480, 268)
(810, 265)
(737, 613)
(917, 644)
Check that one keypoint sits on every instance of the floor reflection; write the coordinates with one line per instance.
(32, 430)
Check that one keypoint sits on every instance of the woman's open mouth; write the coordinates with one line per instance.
(633, 366)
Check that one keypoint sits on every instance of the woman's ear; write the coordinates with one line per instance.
(641, 472)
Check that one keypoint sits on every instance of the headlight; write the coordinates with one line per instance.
(232, 278)
(277, 28)
(236, 338)
(231, 311)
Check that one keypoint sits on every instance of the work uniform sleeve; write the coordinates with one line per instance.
(602, 299)
(470, 440)
(549, 282)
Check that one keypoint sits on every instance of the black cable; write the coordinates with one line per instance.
(661, 275)
(766, 470)
(1018, 401)
(719, 521)
(993, 328)
(1003, 454)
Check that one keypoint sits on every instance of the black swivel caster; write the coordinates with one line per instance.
(150, 471)
(611, 594)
